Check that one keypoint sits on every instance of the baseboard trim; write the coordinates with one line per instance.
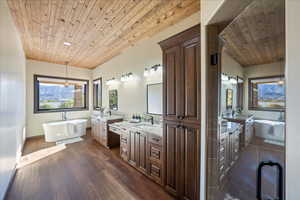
(12, 178)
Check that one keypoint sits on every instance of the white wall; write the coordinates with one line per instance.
(292, 99)
(233, 68)
(132, 95)
(261, 71)
(35, 120)
(12, 97)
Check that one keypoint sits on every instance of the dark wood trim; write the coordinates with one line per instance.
(240, 93)
(212, 91)
(180, 37)
(94, 103)
(250, 107)
(147, 98)
(60, 77)
(36, 109)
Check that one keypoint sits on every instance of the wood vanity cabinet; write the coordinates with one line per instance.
(138, 150)
(181, 114)
(249, 131)
(228, 152)
(143, 151)
(101, 133)
(155, 158)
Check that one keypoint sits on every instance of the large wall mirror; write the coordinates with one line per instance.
(113, 99)
(154, 99)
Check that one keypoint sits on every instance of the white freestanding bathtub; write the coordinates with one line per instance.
(271, 131)
(61, 130)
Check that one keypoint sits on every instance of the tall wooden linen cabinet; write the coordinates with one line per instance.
(181, 114)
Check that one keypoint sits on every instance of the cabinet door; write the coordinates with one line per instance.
(173, 84)
(190, 162)
(93, 128)
(124, 140)
(103, 133)
(171, 172)
(98, 131)
(142, 152)
(192, 84)
(182, 160)
(133, 146)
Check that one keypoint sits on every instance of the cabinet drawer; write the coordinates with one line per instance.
(124, 153)
(155, 172)
(221, 168)
(222, 147)
(155, 152)
(123, 139)
(155, 139)
(222, 157)
(222, 140)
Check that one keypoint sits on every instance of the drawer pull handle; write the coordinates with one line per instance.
(222, 167)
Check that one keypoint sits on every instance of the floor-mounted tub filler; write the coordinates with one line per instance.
(64, 130)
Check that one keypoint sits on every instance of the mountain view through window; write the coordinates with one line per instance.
(57, 94)
(267, 93)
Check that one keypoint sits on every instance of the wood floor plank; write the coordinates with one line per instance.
(84, 170)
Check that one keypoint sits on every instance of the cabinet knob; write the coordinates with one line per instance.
(181, 117)
(180, 126)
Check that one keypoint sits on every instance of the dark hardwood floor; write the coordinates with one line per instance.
(84, 170)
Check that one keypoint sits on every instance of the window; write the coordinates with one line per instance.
(267, 93)
(97, 93)
(54, 94)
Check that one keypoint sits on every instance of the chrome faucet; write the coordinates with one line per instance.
(152, 120)
(149, 118)
(64, 116)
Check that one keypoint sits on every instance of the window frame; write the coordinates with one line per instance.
(250, 104)
(95, 100)
(36, 100)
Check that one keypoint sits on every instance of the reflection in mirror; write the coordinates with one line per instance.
(154, 99)
(240, 94)
(113, 99)
(251, 128)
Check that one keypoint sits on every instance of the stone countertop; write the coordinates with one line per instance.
(142, 126)
(107, 117)
(241, 117)
(230, 127)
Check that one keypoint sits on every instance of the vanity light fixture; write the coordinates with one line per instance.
(232, 80)
(111, 81)
(224, 77)
(146, 72)
(127, 77)
(153, 69)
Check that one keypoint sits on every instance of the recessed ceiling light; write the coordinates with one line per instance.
(67, 43)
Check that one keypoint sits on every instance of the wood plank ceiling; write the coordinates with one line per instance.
(257, 35)
(98, 30)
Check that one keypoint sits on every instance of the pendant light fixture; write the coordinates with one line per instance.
(66, 75)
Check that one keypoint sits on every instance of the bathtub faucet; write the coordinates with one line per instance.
(64, 116)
